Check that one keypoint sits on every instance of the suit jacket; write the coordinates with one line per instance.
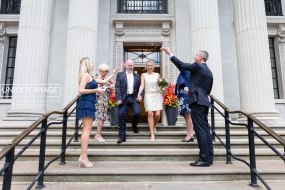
(201, 81)
(122, 85)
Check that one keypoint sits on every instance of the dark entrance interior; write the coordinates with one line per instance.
(140, 55)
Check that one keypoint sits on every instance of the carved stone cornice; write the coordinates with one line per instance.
(165, 26)
(2, 34)
(281, 33)
(119, 28)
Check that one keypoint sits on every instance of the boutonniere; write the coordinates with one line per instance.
(135, 72)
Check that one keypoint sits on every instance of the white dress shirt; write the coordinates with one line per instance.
(130, 79)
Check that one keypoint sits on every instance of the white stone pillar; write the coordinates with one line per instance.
(255, 78)
(280, 44)
(3, 43)
(81, 42)
(205, 35)
(32, 56)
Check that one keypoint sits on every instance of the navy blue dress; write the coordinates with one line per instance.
(182, 95)
(86, 102)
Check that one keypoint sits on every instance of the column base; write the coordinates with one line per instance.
(20, 118)
(268, 118)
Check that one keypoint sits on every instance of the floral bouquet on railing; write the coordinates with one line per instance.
(162, 83)
(112, 103)
(169, 97)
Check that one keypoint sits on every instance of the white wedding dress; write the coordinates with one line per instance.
(152, 94)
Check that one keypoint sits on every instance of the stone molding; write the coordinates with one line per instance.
(119, 28)
(2, 34)
(281, 33)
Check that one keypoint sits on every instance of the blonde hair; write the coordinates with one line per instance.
(85, 67)
(148, 61)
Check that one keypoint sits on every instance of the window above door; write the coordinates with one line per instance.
(141, 55)
(142, 6)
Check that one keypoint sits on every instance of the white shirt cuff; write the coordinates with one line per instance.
(170, 55)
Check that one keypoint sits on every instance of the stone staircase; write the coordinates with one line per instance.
(165, 161)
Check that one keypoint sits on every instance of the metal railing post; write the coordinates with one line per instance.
(8, 173)
(228, 137)
(42, 154)
(76, 128)
(213, 120)
(63, 139)
(251, 152)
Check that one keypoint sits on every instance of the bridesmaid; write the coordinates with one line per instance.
(85, 109)
(152, 97)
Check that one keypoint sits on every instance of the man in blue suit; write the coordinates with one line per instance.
(127, 88)
(201, 82)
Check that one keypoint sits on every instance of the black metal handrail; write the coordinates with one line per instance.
(251, 120)
(9, 150)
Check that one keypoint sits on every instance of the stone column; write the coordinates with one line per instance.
(255, 78)
(3, 43)
(205, 35)
(280, 44)
(81, 42)
(32, 56)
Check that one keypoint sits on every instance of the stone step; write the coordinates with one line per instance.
(140, 126)
(234, 133)
(147, 154)
(169, 185)
(150, 171)
(144, 143)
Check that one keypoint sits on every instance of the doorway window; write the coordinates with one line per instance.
(141, 55)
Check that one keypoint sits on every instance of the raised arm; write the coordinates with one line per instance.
(100, 81)
(179, 64)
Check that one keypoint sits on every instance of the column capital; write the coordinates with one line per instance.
(119, 27)
(165, 26)
(2, 33)
(281, 33)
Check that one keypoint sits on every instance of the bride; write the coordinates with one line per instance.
(152, 97)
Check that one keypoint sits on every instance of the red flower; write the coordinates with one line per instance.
(169, 97)
(112, 99)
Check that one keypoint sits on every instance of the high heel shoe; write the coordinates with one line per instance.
(189, 140)
(100, 139)
(152, 139)
(84, 163)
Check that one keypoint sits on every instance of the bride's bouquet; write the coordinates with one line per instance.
(162, 83)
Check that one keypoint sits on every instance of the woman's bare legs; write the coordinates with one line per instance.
(150, 119)
(156, 119)
(189, 126)
(86, 131)
(98, 135)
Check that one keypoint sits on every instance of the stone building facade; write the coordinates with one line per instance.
(41, 44)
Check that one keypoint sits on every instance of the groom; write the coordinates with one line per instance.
(127, 87)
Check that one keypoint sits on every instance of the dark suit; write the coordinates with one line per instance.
(201, 82)
(127, 101)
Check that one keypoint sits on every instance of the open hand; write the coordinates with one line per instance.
(166, 50)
